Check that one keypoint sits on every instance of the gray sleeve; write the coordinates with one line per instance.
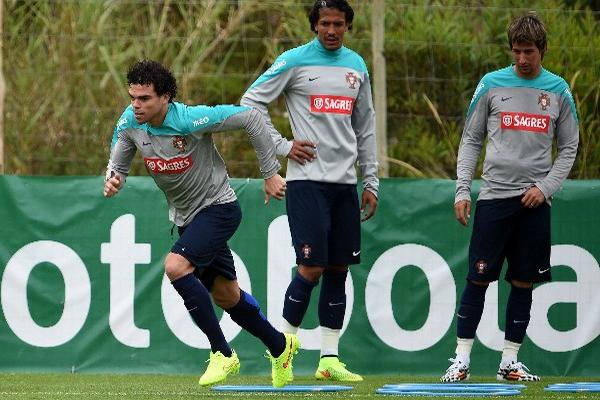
(260, 95)
(363, 123)
(121, 156)
(567, 139)
(470, 147)
(255, 125)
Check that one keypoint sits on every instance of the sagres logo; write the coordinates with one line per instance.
(525, 122)
(175, 165)
(322, 103)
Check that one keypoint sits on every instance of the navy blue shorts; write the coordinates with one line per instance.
(324, 222)
(505, 229)
(203, 242)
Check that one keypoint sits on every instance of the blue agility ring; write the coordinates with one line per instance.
(440, 393)
(574, 387)
(455, 386)
(288, 388)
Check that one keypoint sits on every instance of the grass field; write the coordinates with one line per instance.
(148, 387)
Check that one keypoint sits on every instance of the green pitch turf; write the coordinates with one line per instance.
(150, 387)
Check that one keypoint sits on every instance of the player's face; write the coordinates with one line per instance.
(331, 27)
(528, 60)
(147, 105)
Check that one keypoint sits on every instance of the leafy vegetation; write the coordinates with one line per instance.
(65, 63)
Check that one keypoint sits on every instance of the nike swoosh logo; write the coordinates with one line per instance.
(335, 304)
(355, 253)
(294, 300)
(518, 322)
(505, 98)
(461, 316)
(146, 143)
(312, 79)
(541, 271)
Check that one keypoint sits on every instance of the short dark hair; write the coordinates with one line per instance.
(342, 5)
(146, 72)
(528, 28)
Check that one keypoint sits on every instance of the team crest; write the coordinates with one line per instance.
(481, 266)
(544, 101)
(179, 143)
(351, 79)
(306, 250)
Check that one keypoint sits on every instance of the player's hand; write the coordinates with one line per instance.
(533, 197)
(112, 186)
(275, 186)
(462, 211)
(302, 151)
(368, 205)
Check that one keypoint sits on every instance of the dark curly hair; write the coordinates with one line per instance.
(146, 72)
(528, 28)
(342, 5)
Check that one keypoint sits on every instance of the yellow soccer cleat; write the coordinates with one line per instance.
(219, 367)
(281, 367)
(332, 369)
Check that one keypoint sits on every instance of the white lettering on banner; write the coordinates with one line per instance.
(122, 254)
(13, 292)
(181, 324)
(379, 302)
(583, 292)
(281, 259)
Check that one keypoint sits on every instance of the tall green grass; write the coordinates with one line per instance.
(65, 64)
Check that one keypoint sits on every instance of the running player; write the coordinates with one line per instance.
(328, 95)
(521, 109)
(176, 143)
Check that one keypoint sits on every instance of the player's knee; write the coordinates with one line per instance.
(521, 284)
(311, 274)
(176, 266)
(338, 268)
(225, 293)
(480, 284)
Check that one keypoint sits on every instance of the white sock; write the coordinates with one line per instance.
(286, 327)
(330, 339)
(463, 350)
(509, 353)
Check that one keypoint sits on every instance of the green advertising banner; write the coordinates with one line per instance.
(83, 289)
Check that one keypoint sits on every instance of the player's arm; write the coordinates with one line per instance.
(363, 123)
(469, 150)
(121, 156)
(241, 117)
(567, 140)
(268, 87)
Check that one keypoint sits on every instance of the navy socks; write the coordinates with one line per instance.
(332, 300)
(470, 310)
(296, 300)
(246, 313)
(518, 311)
(198, 303)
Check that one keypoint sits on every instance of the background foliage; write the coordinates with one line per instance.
(65, 64)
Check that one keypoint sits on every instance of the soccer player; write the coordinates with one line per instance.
(176, 143)
(521, 109)
(328, 95)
